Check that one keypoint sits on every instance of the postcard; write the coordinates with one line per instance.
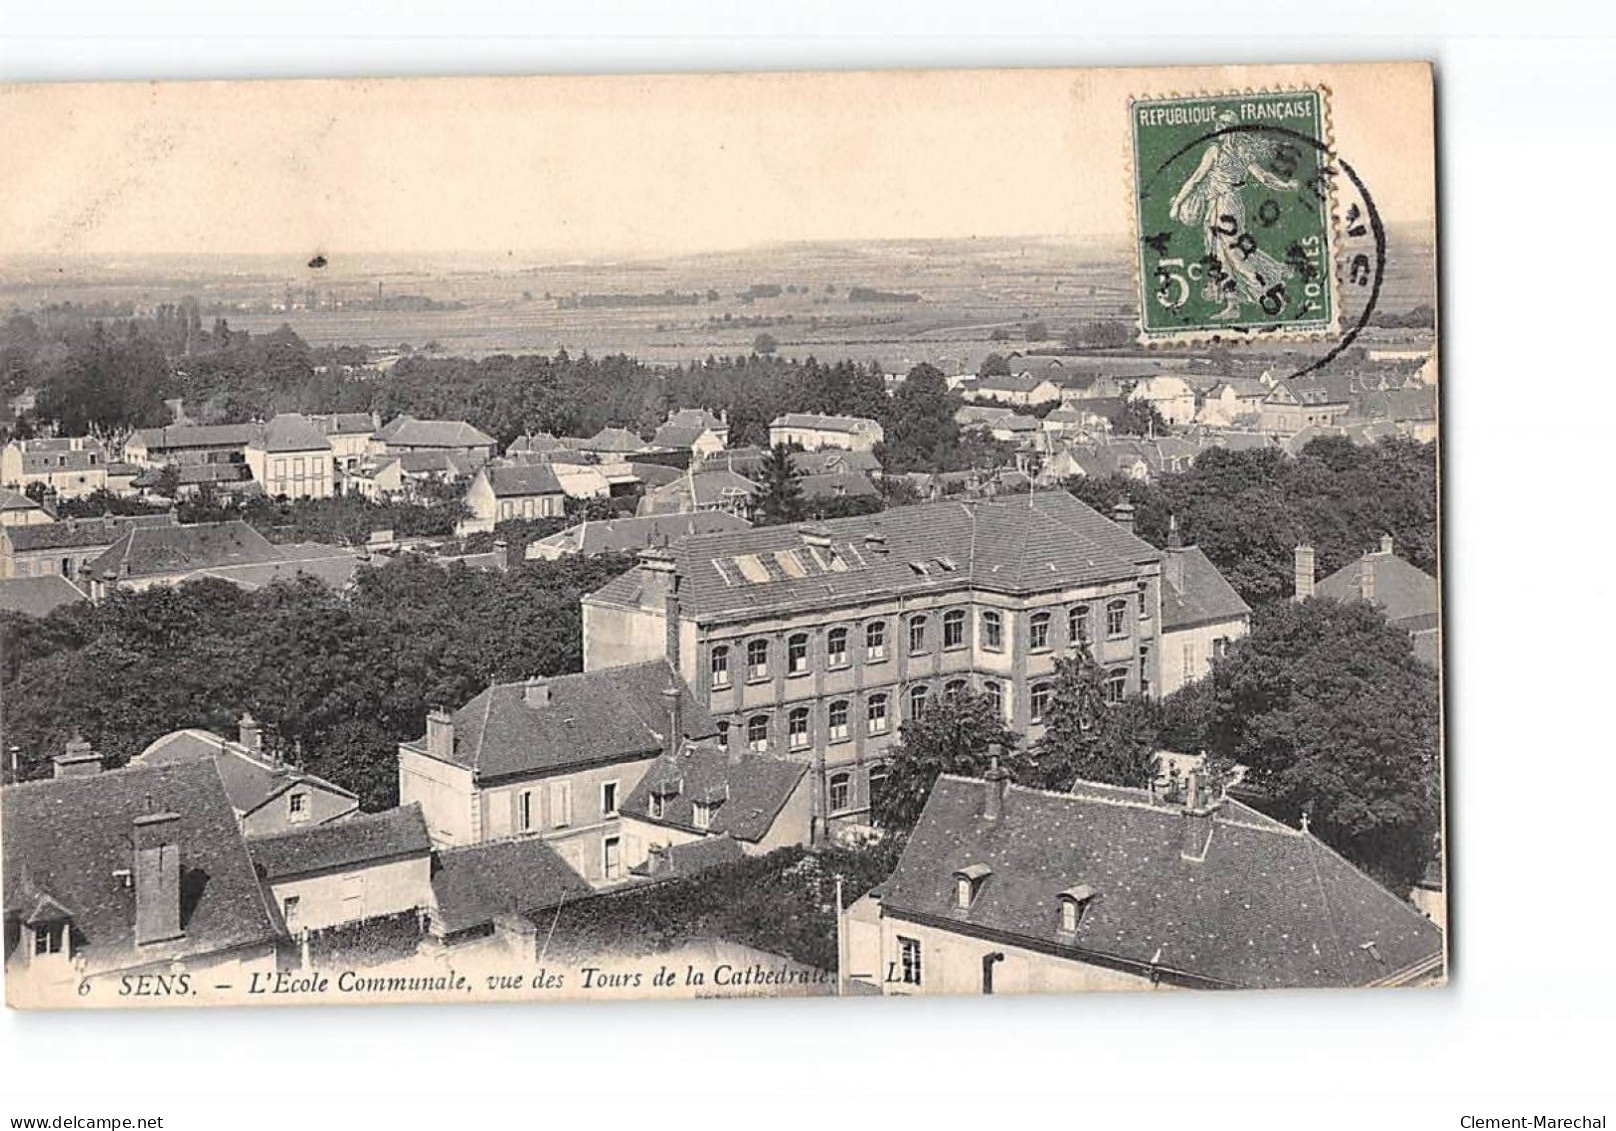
(729, 535)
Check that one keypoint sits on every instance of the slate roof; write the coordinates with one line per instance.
(1040, 365)
(523, 479)
(675, 436)
(823, 423)
(17, 501)
(680, 861)
(698, 489)
(827, 460)
(65, 837)
(196, 474)
(407, 431)
(344, 423)
(696, 418)
(1009, 384)
(80, 532)
(620, 534)
(59, 454)
(609, 715)
(156, 550)
(178, 437)
(362, 840)
(837, 485)
(1204, 597)
(1028, 544)
(331, 565)
(749, 789)
(38, 596)
(248, 781)
(1403, 591)
(654, 474)
(290, 432)
(474, 884)
(535, 443)
(1268, 906)
(616, 440)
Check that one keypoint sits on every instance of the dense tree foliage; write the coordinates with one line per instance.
(1086, 738)
(1248, 509)
(781, 500)
(951, 736)
(782, 903)
(1333, 716)
(337, 681)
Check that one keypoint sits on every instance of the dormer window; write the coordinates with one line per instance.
(48, 938)
(968, 883)
(297, 806)
(702, 814)
(656, 807)
(1074, 904)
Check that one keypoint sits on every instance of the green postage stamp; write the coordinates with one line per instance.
(1233, 207)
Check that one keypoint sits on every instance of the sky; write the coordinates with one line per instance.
(629, 165)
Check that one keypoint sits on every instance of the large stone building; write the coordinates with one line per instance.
(290, 457)
(1012, 890)
(812, 431)
(816, 641)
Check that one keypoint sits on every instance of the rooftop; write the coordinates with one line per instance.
(66, 838)
(177, 437)
(1203, 597)
(38, 596)
(1402, 591)
(1024, 544)
(356, 841)
(620, 534)
(408, 432)
(147, 551)
(747, 790)
(824, 423)
(472, 885)
(290, 432)
(80, 532)
(249, 779)
(523, 479)
(608, 715)
(1268, 906)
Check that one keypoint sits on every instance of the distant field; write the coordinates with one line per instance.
(968, 289)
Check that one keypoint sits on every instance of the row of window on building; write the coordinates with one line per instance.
(877, 714)
(991, 626)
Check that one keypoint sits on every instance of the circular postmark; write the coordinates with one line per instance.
(1254, 228)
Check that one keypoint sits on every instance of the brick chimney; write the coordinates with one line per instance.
(996, 783)
(157, 878)
(674, 698)
(440, 734)
(1122, 515)
(536, 692)
(1366, 578)
(660, 586)
(1306, 572)
(249, 733)
(1199, 805)
(77, 760)
(1173, 562)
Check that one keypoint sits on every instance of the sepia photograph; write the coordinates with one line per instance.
(443, 558)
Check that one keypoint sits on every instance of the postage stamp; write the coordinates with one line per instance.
(1233, 214)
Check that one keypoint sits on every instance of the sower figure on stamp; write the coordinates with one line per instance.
(1213, 199)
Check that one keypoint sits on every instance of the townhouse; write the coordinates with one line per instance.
(67, 547)
(68, 466)
(812, 431)
(552, 758)
(291, 458)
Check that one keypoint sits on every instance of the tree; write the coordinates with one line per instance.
(1087, 738)
(952, 736)
(1036, 331)
(782, 486)
(923, 433)
(1105, 333)
(1334, 717)
(1140, 418)
(765, 344)
(993, 365)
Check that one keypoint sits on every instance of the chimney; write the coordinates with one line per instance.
(1173, 563)
(502, 556)
(157, 878)
(1197, 817)
(1386, 543)
(996, 782)
(1122, 515)
(660, 587)
(249, 733)
(536, 692)
(674, 697)
(440, 734)
(1304, 571)
(658, 859)
(77, 760)
(1366, 578)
